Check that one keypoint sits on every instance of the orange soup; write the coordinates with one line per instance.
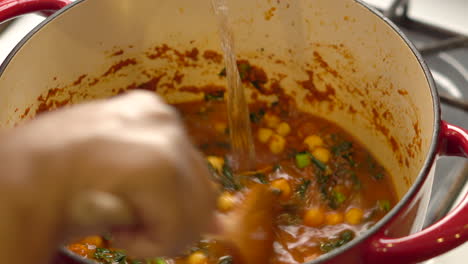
(330, 189)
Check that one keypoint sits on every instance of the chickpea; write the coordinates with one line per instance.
(264, 134)
(197, 258)
(314, 217)
(322, 154)
(313, 141)
(283, 186)
(272, 121)
(277, 144)
(283, 129)
(354, 216)
(216, 162)
(94, 240)
(334, 218)
(220, 127)
(79, 249)
(226, 202)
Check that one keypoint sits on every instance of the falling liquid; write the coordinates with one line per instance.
(243, 151)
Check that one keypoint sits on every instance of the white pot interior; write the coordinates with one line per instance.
(381, 93)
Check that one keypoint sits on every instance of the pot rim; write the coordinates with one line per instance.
(423, 173)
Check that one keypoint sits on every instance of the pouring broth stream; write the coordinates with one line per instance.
(243, 151)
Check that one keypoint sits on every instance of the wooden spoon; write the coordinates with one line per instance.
(250, 227)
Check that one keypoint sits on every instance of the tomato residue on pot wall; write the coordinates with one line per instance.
(120, 65)
(26, 112)
(192, 54)
(314, 94)
(151, 85)
(324, 64)
(178, 77)
(208, 89)
(48, 102)
(117, 53)
(213, 56)
(158, 52)
(184, 59)
(416, 143)
(270, 13)
(79, 80)
(402, 92)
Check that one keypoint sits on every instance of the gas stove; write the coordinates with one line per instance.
(439, 29)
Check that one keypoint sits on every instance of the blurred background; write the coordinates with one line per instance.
(439, 29)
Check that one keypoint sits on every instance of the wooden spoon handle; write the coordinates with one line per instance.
(251, 227)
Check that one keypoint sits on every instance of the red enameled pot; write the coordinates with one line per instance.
(383, 93)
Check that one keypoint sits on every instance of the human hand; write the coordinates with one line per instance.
(133, 147)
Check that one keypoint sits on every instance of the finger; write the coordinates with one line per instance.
(144, 104)
(200, 196)
(160, 230)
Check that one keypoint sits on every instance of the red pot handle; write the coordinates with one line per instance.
(13, 8)
(446, 234)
